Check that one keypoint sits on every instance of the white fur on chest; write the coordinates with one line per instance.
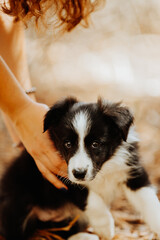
(113, 173)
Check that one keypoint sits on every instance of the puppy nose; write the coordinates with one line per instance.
(79, 173)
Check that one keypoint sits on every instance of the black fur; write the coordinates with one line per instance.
(138, 177)
(23, 187)
(54, 115)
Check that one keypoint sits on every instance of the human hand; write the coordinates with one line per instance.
(29, 125)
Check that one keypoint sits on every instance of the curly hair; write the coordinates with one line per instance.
(69, 12)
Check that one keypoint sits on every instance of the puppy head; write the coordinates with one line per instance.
(87, 134)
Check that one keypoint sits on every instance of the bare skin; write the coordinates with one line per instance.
(25, 114)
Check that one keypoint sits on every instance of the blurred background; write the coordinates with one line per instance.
(118, 58)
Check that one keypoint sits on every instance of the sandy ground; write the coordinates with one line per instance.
(117, 58)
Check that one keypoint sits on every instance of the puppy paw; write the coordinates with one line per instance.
(155, 227)
(82, 236)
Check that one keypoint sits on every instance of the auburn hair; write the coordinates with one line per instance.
(68, 12)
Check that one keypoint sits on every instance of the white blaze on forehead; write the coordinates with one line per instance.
(81, 124)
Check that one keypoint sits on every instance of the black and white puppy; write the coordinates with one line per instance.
(98, 142)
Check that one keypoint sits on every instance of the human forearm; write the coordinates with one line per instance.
(13, 50)
(12, 96)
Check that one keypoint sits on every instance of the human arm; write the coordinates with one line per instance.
(25, 114)
(27, 117)
(12, 50)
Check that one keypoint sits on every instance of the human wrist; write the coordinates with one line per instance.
(28, 110)
(23, 102)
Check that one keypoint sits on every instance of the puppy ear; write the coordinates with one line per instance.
(119, 114)
(57, 111)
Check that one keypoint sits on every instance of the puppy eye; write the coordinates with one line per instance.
(68, 144)
(95, 144)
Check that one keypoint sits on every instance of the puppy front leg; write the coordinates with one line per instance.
(99, 216)
(147, 204)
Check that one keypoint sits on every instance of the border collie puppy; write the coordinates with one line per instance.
(98, 142)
